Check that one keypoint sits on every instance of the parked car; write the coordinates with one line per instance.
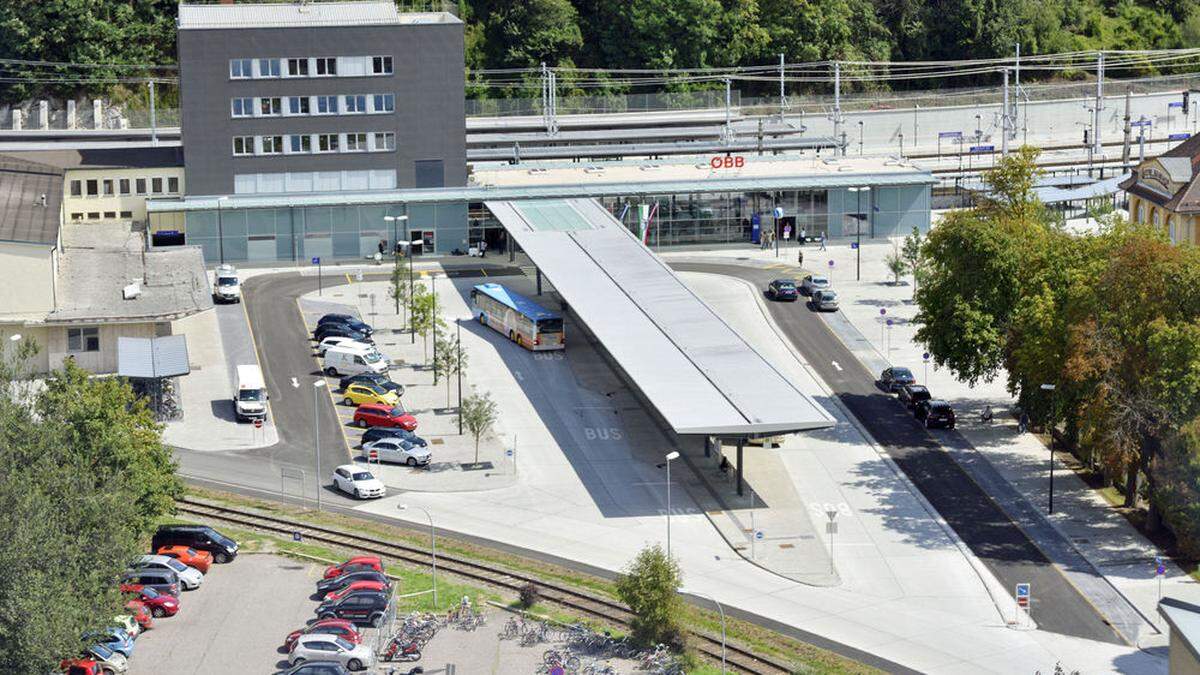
(813, 283)
(376, 433)
(114, 638)
(339, 627)
(935, 413)
(912, 394)
(344, 320)
(358, 562)
(160, 604)
(317, 668)
(373, 378)
(227, 287)
(332, 648)
(341, 330)
(199, 537)
(365, 392)
(200, 560)
(189, 578)
(352, 358)
(825, 300)
(349, 576)
(362, 607)
(782, 289)
(80, 667)
(893, 379)
(111, 662)
(358, 482)
(141, 613)
(339, 340)
(397, 451)
(161, 580)
(127, 623)
(377, 415)
(357, 586)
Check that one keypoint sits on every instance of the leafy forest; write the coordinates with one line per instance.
(624, 34)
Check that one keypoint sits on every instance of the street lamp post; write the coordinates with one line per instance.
(396, 248)
(458, 369)
(220, 230)
(1050, 428)
(858, 221)
(432, 549)
(721, 610)
(317, 385)
(860, 138)
(670, 456)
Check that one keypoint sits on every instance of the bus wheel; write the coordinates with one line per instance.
(511, 336)
(482, 320)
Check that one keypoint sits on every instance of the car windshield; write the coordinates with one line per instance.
(344, 644)
(374, 388)
(901, 373)
(396, 412)
(103, 652)
(192, 551)
(785, 285)
(820, 281)
(176, 565)
(149, 593)
(250, 395)
(227, 281)
(363, 475)
(828, 295)
(371, 357)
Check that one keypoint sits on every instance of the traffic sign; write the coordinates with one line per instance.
(258, 423)
(882, 311)
(854, 244)
(831, 527)
(373, 455)
(925, 356)
(508, 452)
(983, 148)
(889, 323)
(758, 535)
(316, 260)
(950, 134)
(1178, 137)
(1161, 566)
(831, 263)
(1023, 596)
(296, 535)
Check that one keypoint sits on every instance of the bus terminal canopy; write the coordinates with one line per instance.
(699, 375)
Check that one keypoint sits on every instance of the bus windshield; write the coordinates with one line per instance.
(550, 326)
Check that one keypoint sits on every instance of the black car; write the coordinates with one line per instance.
(199, 537)
(346, 578)
(912, 394)
(361, 607)
(376, 433)
(345, 320)
(335, 318)
(935, 413)
(371, 378)
(317, 668)
(893, 380)
(783, 289)
(340, 330)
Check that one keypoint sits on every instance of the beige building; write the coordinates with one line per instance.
(1165, 192)
(74, 289)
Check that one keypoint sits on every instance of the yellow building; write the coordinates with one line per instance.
(1165, 192)
(111, 185)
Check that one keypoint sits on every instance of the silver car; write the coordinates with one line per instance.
(189, 577)
(825, 301)
(321, 647)
(813, 283)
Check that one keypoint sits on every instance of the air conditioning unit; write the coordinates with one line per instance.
(132, 290)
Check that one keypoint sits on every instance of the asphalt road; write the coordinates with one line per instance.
(974, 515)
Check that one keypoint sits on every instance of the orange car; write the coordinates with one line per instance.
(188, 556)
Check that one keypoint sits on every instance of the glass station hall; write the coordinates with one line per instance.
(666, 203)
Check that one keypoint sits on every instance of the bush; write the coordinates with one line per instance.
(1177, 473)
(650, 586)
(529, 595)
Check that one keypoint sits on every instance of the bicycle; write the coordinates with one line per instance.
(567, 660)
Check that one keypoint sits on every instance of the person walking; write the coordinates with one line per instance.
(1023, 422)
(483, 249)
(803, 236)
(800, 257)
(822, 238)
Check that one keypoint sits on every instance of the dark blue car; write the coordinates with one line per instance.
(378, 379)
(783, 289)
(340, 330)
(331, 320)
(376, 433)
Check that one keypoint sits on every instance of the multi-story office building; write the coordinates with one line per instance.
(320, 97)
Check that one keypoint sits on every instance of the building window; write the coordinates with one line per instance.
(356, 142)
(109, 215)
(327, 105)
(83, 339)
(385, 103)
(327, 66)
(243, 107)
(240, 68)
(123, 186)
(76, 216)
(156, 185)
(327, 142)
(1141, 212)
(356, 104)
(76, 188)
(268, 67)
(173, 185)
(243, 145)
(385, 140)
(140, 183)
(127, 214)
(297, 67)
(93, 187)
(272, 145)
(108, 187)
(381, 65)
(93, 215)
(298, 105)
(301, 143)
(268, 106)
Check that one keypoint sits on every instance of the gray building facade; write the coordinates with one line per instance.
(320, 97)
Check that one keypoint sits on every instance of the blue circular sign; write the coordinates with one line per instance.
(508, 452)
(882, 311)
(889, 323)
(925, 356)
(831, 263)
(758, 535)
(778, 211)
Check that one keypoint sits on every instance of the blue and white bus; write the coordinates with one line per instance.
(520, 319)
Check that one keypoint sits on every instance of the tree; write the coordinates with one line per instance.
(650, 586)
(911, 253)
(896, 265)
(424, 314)
(478, 414)
(449, 358)
(398, 288)
(526, 33)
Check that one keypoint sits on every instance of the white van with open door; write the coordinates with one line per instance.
(353, 360)
(250, 396)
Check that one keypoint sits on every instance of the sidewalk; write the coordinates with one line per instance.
(1099, 551)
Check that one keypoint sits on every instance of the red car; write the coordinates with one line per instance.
(339, 627)
(356, 586)
(380, 415)
(80, 667)
(201, 560)
(140, 612)
(358, 562)
(160, 604)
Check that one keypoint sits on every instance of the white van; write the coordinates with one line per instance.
(352, 360)
(250, 396)
(227, 287)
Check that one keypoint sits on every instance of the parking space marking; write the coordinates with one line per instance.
(329, 387)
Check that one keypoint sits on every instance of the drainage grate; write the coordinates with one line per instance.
(437, 441)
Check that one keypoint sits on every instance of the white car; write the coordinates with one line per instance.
(357, 481)
(328, 342)
(189, 577)
(397, 450)
(813, 283)
(322, 647)
(127, 623)
(227, 287)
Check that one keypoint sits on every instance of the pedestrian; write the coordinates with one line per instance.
(382, 246)
(1023, 422)
(800, 257)
(482, 249)
(803, 236)
(987, 414)
(822, 237)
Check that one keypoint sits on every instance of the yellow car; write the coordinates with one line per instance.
(365, 392)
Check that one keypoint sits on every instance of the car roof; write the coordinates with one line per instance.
(349, 467)
(153, 558)
(376, 406)
(783, 281)
(315, 637)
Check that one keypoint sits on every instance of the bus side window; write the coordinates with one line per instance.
(474, 294)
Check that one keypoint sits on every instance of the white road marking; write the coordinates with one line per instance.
(835, 365)
(519, 375)
(295, 383)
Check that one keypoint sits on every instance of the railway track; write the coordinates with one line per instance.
(738, 658)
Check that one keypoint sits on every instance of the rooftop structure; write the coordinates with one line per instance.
(1165, 191)
(31, 195)
(301, 15)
